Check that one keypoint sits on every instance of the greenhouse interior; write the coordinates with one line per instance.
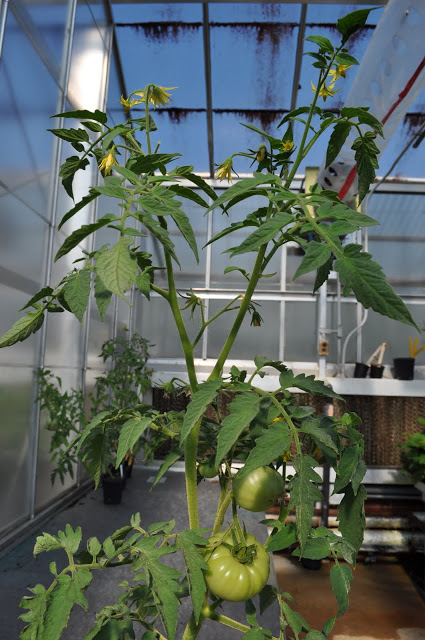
(226, 279)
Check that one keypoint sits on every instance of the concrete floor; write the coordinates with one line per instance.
(384, 604)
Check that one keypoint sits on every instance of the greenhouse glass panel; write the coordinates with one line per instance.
(24, 233)
(23, 124)
(49, 19)
(300, 332)
(262, 81)
(147, 49)
(155, 323)
(16, 402)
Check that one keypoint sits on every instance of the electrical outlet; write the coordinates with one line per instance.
(323, 348)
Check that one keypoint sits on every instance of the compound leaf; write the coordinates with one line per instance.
(269, 446)
(23, 328)
(243, 409)
(187, 542)
(201, 399)
(77, 292)
(341, 576)
(359, 273)
(303, 494)
(117, 267)
(130, 432)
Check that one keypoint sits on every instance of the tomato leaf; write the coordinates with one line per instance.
(306, 383)
(83, 114)
(201, 399)
(68, 170)
(130, 432)
(352, 22)
(351, 466)
(46, 542)
(351, 516)
(243, 410)
(69, 591)
(272, 443)
(162, 579)
(85, 230)
(263, 234)
(358, 272)
(341, 576)
(77, 292)
(336, 141)
(184, 226)
(294, 619)
(267, 596)
(283, 538)
(92, 195)
(303, 494)
(315, 549)
(247, 185)
(188, 542)
(316, 254)
(23, 328)
(159, 232)
(102, 296)
(117, 267)
(171, 457)
(37, 606)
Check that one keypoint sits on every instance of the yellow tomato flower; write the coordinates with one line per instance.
(339, 71)
(225, 170)
(128, 103)
(287, 146)
(107, 162)
(157, 95)
(262, 152)
(325, 91)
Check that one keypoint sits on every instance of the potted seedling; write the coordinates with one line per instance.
(404, 368)
(413, 457)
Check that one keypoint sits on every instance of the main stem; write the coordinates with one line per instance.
(256, 273)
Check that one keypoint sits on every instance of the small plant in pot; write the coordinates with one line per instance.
(404, 368)
(413, 456)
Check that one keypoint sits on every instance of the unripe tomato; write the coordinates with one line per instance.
(230, 579)
(207, 469)
(259, 489)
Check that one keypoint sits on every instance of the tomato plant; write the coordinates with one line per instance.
(258, 490)
(258, 425)
(236, 572)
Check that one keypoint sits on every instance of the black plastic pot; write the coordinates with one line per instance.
(308, 563)
(404, 368)
(112, 489)
(360, 370)
(376, 371)
(128, 469)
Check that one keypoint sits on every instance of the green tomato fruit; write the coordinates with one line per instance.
(230, 579)
(259, 489)
(207, 469)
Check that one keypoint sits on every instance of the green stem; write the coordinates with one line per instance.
(229, 622)
(205, 324)
(256, 272)
(147, 124)
(221, 511)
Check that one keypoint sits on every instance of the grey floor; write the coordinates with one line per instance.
(19, 570)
